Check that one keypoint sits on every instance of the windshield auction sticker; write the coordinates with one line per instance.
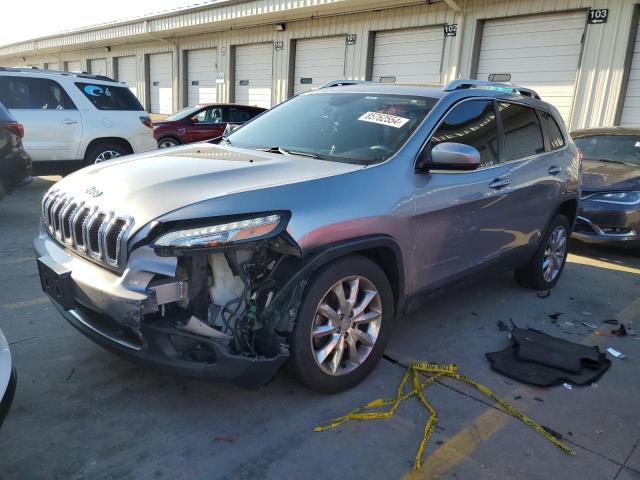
(383, 119)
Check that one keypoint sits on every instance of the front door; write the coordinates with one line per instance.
(207, 124)
(52, 123)
(463, 219)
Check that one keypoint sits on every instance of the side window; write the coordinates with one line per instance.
(201, 116)
(551, 130)
(473, 123)
(214, 115)
(238, 115)
(522, 133)
(22, 93)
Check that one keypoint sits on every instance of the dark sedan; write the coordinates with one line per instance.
(15, 163)
(610, 202)
(200, 123)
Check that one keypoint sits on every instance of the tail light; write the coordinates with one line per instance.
(15, 128)
(146, 121)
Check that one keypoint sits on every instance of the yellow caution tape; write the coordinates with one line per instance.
(432, 372)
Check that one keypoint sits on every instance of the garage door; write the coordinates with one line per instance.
(127, 73)
(73, 66)
(408, 56)
(631, 107)
(52, 66)
(254, 74)
(539, 51)
(201, 76)
(98, 66)
(318, 61)
(161, 83)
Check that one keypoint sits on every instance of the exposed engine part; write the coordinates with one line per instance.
(198, 327)
(168, 291)
(226, 288)
(233, 296)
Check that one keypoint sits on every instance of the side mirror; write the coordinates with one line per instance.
(451, 156)
(194, 119)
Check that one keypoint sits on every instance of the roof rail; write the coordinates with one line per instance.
(340, 83)
(498, 86)
(59, 72)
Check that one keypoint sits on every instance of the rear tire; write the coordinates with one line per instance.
(335, 344)
(546, 266)
(101, 152)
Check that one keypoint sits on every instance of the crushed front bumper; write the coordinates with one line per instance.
(109, 308)
(608, 223)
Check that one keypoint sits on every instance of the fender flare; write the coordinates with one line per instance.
(286, 302)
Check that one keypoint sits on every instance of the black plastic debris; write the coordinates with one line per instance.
(540, 359)
(621, 331)
(611, 321)
(502, 326)
(555, 316)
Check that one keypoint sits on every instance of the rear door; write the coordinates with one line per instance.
(535, 169)
(52, 123)
(463, 219)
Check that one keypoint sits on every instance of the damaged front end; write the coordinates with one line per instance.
(232, 300)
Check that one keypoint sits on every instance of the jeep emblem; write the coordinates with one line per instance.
(93, 191)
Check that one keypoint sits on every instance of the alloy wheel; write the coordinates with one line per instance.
(107, 155)
(167, 144)
(554, 253)
(346, 325)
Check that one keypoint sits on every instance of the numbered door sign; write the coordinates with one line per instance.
(598, 15)
(451, 30)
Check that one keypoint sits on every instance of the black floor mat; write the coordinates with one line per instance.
(540, 359)
(538, 347)
(507, 363)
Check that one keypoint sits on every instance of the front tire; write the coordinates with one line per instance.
(546, 266)
(343, 325)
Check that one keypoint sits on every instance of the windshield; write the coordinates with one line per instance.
(359, 128)
(186, 112)
(612, 148)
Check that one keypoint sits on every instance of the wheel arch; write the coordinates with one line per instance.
(118, 140)
(382, 249)
(569, 208)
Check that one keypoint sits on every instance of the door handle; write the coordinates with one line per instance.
(553, 170)
(68, 121)
(499, 183)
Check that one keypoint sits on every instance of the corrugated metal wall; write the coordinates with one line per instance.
(598, 85)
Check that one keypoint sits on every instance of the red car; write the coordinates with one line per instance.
(200, 123)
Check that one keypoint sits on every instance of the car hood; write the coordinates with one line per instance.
(600, 176)
(149, 185)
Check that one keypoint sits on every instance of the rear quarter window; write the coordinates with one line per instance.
(109, 97)
(551, 130)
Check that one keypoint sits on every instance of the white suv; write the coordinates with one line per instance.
(75, 118)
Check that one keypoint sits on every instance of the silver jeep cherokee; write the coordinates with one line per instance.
(302, 235)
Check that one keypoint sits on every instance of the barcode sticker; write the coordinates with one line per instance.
(384, 119)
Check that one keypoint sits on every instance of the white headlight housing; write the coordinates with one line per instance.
(621, 198)
(220, 235)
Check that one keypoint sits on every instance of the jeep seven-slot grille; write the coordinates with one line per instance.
(86, 229)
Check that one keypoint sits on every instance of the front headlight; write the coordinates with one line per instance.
(621, 198)
(221, 234)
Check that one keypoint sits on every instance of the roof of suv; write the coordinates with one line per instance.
(473, 87)
(39, 71)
